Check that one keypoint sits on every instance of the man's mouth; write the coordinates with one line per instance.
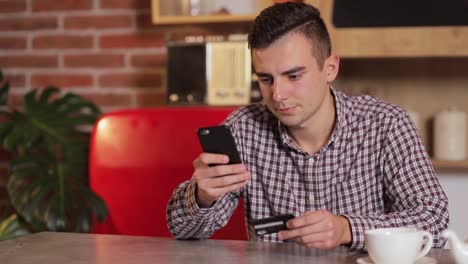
(286, 110)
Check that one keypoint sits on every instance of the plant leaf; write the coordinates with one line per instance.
(48, 183)
(96, 204)
(30, 102)
(46, 94)
(4, 91)
(5, 127)
(12, 227)
(14, 138)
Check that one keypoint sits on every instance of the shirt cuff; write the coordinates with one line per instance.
(358, 226)
(194, 211)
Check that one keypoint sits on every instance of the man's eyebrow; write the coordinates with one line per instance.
(290, 71)
(293, 70)
(262, 74)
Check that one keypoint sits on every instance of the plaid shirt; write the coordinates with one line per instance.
(374, 170)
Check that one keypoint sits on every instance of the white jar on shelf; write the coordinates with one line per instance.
(450, 135)
(415, 117)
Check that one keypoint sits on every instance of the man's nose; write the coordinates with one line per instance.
(278, 93)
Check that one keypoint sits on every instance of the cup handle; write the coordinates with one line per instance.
(426, 247)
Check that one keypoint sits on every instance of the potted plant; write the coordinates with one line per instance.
(48, 173)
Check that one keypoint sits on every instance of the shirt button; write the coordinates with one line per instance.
(311, 198)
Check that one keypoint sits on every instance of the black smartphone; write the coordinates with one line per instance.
(219, 140)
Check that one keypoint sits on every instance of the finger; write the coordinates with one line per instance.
(292, 234)
(210, 158)
(223, 181)
(308, 218)
(217, 192)
(234, 187)
(219, 170)
(319, 237)
(315, 227)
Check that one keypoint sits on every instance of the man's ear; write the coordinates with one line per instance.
(331, 65)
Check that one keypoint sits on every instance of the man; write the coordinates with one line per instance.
(341, 165)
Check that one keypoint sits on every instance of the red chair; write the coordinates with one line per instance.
(137, 159)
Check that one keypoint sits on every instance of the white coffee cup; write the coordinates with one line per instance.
(397, 245)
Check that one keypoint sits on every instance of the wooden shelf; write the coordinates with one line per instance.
(159, 17)
(169, 20)
(387, 42)
(394, 42)
(450, 165)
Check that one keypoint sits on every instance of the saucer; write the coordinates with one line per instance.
(423, 260)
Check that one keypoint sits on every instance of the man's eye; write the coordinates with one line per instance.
(294, 77)
(266, 81)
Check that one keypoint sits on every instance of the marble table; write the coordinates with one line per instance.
(73, 248)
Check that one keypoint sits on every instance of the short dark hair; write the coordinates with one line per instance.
(280, 19)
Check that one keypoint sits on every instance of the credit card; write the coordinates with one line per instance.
(271, 224)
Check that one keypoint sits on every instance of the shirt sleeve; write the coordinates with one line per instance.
(186, 220)
(413, 196)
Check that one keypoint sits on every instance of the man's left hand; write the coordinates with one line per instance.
(318, 229)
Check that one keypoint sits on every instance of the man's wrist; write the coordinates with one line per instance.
(347, 235)
(200, 202)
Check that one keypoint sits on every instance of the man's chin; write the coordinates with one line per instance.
(288, 121)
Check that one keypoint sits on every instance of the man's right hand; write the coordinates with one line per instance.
(212, 182)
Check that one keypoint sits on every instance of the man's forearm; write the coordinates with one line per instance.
(186, 220)
(431, 216)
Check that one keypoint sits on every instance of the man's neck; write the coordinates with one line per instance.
(317, 132)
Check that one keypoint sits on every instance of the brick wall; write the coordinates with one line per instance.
(105, 50)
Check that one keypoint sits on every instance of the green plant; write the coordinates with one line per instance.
(48, 174)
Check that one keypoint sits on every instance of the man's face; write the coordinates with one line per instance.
(291, 82)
